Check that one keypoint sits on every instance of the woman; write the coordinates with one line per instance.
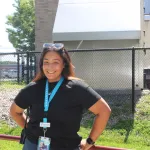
(56, 100)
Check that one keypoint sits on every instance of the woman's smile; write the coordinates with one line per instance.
(51, 72)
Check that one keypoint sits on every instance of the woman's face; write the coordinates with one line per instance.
(53, 66)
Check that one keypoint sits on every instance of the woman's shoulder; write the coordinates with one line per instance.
(33, 85)
(77, 82)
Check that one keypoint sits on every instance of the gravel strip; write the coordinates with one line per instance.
(6, 98)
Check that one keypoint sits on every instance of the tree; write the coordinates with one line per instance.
(21, 25)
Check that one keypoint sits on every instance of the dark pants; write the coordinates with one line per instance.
(31, 146)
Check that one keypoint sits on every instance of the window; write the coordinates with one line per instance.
(147, 9)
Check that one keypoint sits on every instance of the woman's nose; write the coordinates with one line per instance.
(51, 66)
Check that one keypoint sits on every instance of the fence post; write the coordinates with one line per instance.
(18, 68)
(34, 65)
(133, 80)
(27, 67)
(23, 68)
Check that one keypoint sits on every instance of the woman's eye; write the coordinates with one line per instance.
(45, 63)
(55, 62)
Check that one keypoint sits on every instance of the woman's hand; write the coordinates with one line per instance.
(85, 145)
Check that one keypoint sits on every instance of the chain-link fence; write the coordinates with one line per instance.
(116, 74)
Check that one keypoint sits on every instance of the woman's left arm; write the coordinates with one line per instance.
(102, 112)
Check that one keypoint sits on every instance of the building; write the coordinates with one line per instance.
(99, 24)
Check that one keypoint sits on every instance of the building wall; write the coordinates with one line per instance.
(145, 37)
(106, 70)
(100, 44)
(146, 43)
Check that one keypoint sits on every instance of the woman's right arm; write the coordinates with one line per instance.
(17, 114)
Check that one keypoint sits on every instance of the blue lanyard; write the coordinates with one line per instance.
(46, 100)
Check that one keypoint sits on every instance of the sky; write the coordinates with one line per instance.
(6, 8)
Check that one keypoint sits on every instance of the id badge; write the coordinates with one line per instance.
(45, 125)
(44, 143)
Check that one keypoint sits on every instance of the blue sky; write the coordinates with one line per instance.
(6, 8)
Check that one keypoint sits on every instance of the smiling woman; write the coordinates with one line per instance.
(56, 99)
(54, 62)
(52, 66)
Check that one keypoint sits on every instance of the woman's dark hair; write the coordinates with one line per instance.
(68, 70)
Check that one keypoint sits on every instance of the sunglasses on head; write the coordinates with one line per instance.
(56, 46)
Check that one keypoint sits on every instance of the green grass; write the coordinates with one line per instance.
(143, 108)
(133, 139)
(5, 129)
(9, 145)
(133, 133)
(11, 85)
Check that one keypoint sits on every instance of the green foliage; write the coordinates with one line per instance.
(21, 25)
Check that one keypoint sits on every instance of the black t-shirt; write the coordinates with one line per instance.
(64, 114)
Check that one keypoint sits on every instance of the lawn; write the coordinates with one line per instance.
(9, 145)
(11, 85)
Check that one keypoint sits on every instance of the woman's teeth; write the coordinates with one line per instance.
(50, 72)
